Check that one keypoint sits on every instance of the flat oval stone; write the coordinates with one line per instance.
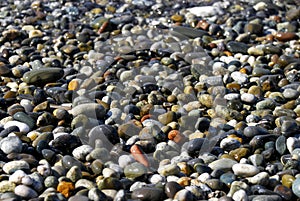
(43, 75)
(224, 164)
(24, 128)
(135, 170)
(245, 170)
(25, 192)
(11, 144)
(251, 131)
(12, 166)
(148, 193)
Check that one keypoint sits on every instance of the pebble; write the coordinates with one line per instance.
(224, 164)
(244, 170)
(11, 144)
(148, 193)
(43, 75)
(24, 128)
(25, 192)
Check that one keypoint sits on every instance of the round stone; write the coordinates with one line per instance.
(245, 170)
(25, 192)
(11, 144)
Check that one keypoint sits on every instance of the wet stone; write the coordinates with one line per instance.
(135, 170)
(43, 75)
(148, 193)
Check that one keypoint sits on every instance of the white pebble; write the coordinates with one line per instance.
(24, 128)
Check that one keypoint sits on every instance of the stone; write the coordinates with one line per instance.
(43, 75)
(22, 126)
(148, 193)
(25, 192)
(7, 186)
(224, 164)
(12, 166)
(135, 170)
(171, 188)
(244, 170)
(11, 144)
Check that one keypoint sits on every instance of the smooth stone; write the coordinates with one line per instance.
(290, 93)
(292, 143)
(183, 195)
(285, 192)
(194, 146)
(135, 170)
(188, 31)
(245, 170)
(237, 185)
(280, 144)
(74, 174)
(51, 181)
(239, 153)
(205, 11)
(261, 178)
(167, 117)
(169, 169)
(11, 144)
(82, 151)
(148, 193)
(43, 75)
(109, 183)
(85, 183)
(24, 128)
(296, 187)
(267, 198)
(96, 194)
(237, 47)
(248, 98)
(228, 144)
(240, 195)
(78, 198)
(224, 164)
(251, 131)
(288, 180)
(66, 143)
(171, 188)
(25, 192)
(12, 166)
(227, 178)
(256, 159)
(23, 117)
(92, 110)
(239, 77)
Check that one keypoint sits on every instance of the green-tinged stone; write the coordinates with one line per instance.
(43, 75)
(7, 186)
(74, 173)
(23, 117)
(280, 144)
(135, 170)
(109, 183)
(170, 169)
(224, 164)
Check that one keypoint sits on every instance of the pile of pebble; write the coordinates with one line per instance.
(149, 100)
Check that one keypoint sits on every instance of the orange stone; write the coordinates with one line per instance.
(147, 116)
(233, 86)
(175, 136)
(65, 188)
(73, 85)
(138, 155)
(285, 36)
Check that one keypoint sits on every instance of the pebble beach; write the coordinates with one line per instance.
(150, 100)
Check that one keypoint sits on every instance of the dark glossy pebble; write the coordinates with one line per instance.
(48, 154)
(132, 109)
(148, 194)
(237, 47)
(148, 87)
(260, 140)
(9, 130)
(252, 131)
(41, 145)
(66, 143)
(106, 133)
(23, 117)
(171, 188)
(194, 146)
